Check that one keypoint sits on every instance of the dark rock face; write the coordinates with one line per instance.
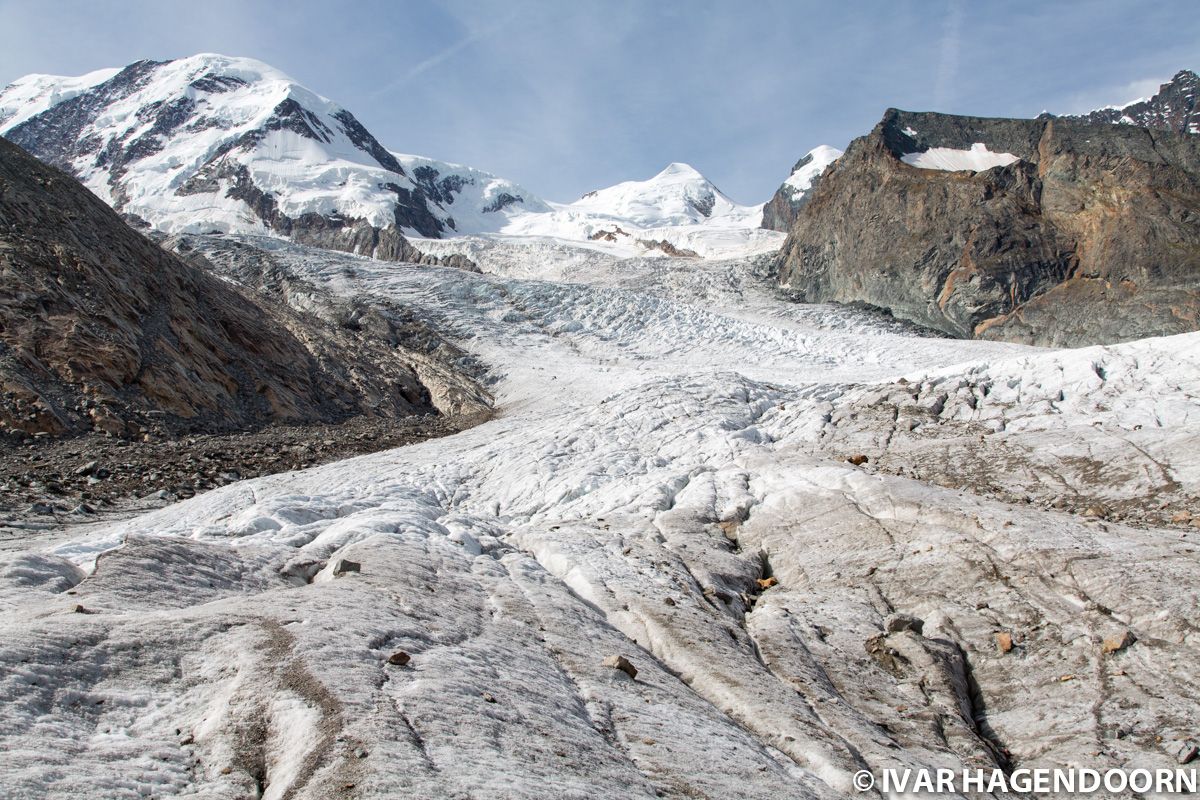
(438, 188)
(1174, 108)
(1092, 236)
(502, 200)
(704, 204)
(101, 329)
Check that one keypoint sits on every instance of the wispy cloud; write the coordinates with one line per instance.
(951, 45)
(444, 55)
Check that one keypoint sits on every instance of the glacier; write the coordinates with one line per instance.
(666, 480)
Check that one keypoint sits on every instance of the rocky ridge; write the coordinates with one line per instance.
(1173, 108)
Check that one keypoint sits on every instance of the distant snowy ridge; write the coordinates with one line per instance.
(475, 201)
(214, 143)
(678, 206)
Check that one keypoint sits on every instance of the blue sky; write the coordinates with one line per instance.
(569, 96)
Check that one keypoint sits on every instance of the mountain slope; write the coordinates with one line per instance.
(1176, 107)
(1050, 231)
(780, 211)
(102, 329)
(227, 144)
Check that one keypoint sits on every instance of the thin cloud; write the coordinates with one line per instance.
(443, 56)
(947, 72)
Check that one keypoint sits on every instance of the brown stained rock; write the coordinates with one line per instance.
(399, 658)
(1004, 641)
(1117, 642)
(668, 248)
(858, 460)
(1184, 752)
(729, 527)
(1181, 517)
(621, 663)
(887, 656)
(767, 583)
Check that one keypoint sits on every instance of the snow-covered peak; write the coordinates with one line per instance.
(811, 166)
(677, 169)
(215, 142)
(677, 195)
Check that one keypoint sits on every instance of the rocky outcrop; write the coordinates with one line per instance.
(102, 329)
(1173, 108)
(668, 248)
(779, 213)
(1082, 233)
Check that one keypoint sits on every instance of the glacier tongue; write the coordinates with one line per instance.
(667, 482)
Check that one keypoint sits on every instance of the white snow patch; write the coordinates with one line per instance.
(947, 159)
